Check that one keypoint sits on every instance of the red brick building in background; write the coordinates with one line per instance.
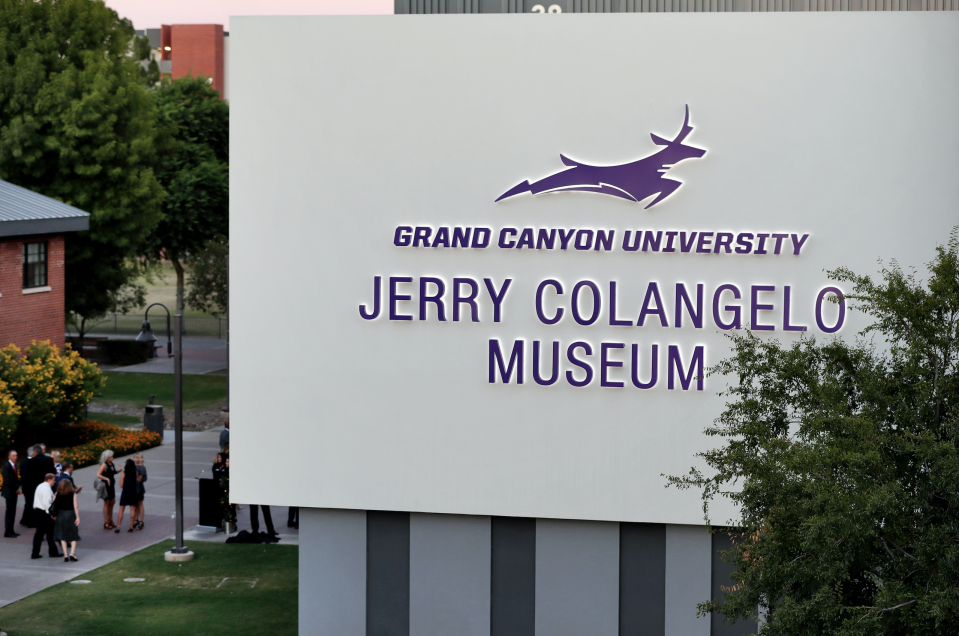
(192, 49)
(33, 232)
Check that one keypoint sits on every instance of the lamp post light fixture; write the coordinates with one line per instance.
(179, 552)
(146, 332)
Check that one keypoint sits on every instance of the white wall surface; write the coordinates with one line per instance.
(841, 126)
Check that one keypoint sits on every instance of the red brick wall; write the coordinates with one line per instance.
(38, 316)
(198, 50)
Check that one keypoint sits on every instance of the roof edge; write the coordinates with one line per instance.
(44, 226)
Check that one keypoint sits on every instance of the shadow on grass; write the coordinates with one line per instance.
(227, 589)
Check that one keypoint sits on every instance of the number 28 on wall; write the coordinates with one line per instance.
(553, 8)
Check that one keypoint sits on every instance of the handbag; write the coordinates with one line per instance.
(101, 487)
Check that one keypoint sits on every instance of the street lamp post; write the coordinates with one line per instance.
(179, 552)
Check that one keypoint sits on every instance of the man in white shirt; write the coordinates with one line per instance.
(43, 504)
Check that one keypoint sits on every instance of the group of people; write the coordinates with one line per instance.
(132, 482)
(50, 501)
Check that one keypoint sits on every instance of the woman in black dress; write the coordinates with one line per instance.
(109, 495)
(129, 493)
(66, 515)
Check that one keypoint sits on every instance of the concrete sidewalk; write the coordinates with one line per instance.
(22, 576)
(200, 356)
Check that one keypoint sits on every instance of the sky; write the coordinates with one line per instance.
(147, 14)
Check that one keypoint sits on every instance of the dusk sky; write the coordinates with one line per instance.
(145, 14)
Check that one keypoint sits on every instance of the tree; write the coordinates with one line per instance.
(843, 460)
(78, 124)
(209, 284)
(195, 173)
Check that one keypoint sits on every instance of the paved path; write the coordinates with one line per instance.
(200, 356)
(22, 576)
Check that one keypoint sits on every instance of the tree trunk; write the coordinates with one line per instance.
(179, 285)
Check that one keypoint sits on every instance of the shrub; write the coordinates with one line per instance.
(47, 386)
(123, 352)
(9, 411)
(93, 437)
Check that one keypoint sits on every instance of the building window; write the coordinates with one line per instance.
(34, 265)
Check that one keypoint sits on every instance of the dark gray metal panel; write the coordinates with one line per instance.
(513, 577)
(449, 575)
(44, 226)
(642, 579)
(401, 7)
(387, 573)
(722, 577)
(577, 578)
(332, 589)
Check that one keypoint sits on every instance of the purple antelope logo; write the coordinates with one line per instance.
(634, 181)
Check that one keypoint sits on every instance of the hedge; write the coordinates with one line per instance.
(81, 443)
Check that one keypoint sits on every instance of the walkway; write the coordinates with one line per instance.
(23, 576)
(200, 356)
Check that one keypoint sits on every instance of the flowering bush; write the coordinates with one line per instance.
(9, 411)
(46, 386)
(93, 437)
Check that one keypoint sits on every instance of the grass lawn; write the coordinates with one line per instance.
(134, 389)
(125, 421)
(189, 599)
(163, 290)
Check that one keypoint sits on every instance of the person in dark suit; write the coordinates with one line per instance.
(11, 489)
(267, 517)
(32, 472)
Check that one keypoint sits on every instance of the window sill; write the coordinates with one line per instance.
(37, 290)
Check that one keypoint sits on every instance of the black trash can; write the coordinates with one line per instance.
(153, 419)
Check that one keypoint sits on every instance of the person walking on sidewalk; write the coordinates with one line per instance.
(42, 510)
(67, 515)
(10, 491)
(108, 492)
(129, 494)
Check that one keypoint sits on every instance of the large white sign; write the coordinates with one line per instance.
(481, 263)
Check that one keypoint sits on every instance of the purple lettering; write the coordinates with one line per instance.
(755, 307)
(436, 299)
(653, 368)
(469, 300)
(605, 363)
(395, 297)
(370, 315)
(842, 309)
(582, 364)
(737, 311)
(555, 284)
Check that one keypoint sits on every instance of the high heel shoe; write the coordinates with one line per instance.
(117, 530)
(73, 557)
(130, 529)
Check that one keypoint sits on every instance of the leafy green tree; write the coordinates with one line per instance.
(843, 460)
(209, 284)
(195, 173)
(78, 124)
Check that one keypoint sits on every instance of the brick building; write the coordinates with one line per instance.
(192, 49)
(32, 236)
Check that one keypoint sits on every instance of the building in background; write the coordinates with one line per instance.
(192, 49)
(33, 231)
